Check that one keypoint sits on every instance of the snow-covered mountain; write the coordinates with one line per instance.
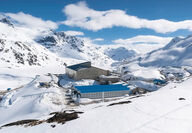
(73, 47)
(172, 62)
(175, 53)
(16, 53)
(66, 46)
(119, 53)
(17, 49)
(30, 58)
(21, 46)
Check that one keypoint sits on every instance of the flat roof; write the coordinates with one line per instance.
(101, 88)
(78, 67)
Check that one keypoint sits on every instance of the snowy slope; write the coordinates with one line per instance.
(173, 61)
(166, 110)
(17, 53)
(176, 53)
(31, 101)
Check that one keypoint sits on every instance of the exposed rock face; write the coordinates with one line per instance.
(59, 117)
(60, 39)
(23, 53)
(7, 21)
(2, 44)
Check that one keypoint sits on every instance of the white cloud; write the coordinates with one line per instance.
(74, 33)
(98, 39)
(81, 15)
(144, 43)
(149, 39)
(26, 27)
(27, 20)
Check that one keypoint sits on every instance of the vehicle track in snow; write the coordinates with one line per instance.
(159, 117)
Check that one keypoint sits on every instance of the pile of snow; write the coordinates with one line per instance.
(32, 101)
(67, 82)
(133, 71)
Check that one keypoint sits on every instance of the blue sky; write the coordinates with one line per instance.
(172, 10)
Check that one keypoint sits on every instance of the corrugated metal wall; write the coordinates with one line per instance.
(98, 95)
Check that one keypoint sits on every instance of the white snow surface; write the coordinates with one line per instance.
(156, 112)
(31, 101)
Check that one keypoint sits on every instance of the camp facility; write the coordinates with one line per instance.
(85, 71)
(102, 91)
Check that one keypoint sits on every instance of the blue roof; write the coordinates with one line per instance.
(101, 88)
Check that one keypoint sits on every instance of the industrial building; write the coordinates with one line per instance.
(85, 71)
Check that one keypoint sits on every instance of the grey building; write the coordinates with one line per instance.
(85, 71)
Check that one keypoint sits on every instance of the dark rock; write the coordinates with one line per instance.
(2, 44)
(32, 59)
(53, 126)
(7, 21)
(19, 57)
(22, 122)
(59, 117)
(47, 41)
(62, 117)
(181, 98)
(123, 102)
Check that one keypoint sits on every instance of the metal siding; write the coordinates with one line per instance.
(98, 95)
(90, 73)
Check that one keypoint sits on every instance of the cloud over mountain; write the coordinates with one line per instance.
(27, 20)
(80, 15)
(144, 43)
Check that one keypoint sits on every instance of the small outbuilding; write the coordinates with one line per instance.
(108, 79)
(102, 91)
(85, 71)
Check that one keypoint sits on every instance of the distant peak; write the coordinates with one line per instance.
(60, 33)
(174, 41)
